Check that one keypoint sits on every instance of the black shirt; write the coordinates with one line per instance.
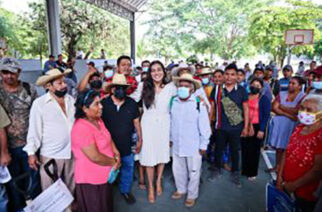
(238, 95)
(119, 122)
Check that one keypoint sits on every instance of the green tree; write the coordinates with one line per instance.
(268, 26)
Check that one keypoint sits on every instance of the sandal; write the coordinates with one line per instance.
(176, 195)
(159, 189)
(142, 186)
(151, 197)
(190, 203)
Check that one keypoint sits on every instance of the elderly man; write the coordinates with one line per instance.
(51, 120)
(16, 97)
(190, 133)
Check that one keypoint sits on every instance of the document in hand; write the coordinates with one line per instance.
(55, 198)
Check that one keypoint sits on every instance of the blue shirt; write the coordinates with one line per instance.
(190, 127)
(50, 65)
(284, 84)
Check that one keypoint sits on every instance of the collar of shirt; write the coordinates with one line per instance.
(191, 98)
(235, 87)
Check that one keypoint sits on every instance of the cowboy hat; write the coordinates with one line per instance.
(205, 71)
(9, 64)
(183, 66)
(51, 75)
(187, 77)
(118, 79)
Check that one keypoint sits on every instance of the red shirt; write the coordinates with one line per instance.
(299, 159)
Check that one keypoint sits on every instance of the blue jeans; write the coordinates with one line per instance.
(18, 166)
(3, 198)
(127, 170)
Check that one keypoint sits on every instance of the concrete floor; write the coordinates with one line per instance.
(221, 196)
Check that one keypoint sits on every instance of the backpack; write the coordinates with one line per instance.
(26, 86)
(197, 101)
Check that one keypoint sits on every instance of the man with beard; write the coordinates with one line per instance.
(51, 121)
(16, 97)
(121, 117)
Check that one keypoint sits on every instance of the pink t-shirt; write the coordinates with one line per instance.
(83, 134)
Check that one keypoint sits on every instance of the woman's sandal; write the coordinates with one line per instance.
(151, 197)
(142, 186)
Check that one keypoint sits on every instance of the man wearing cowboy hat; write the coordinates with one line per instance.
(121, 117)
(16, 97)
(190, 133)
(184, 68)
(51, 121)
(205, 76)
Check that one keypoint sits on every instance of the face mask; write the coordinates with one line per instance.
(96, 84)
(60, 94)
(120, 92)
(205, 81)
(145, 69)
(109, 74)
(317, 85)
(254, 90)
(183, 92)
(307, 118)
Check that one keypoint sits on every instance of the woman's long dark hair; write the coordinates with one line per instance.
(148, 92)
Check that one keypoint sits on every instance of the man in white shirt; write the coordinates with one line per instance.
(50, 124)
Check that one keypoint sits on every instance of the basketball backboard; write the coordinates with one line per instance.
(299, 37)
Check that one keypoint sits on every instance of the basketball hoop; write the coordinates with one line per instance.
(295, 37)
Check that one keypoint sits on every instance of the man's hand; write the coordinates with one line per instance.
(244, 132)
(5, 158)
(33, 162)
(117, 164)
(251, 131)
(202, 152)
(260, 135)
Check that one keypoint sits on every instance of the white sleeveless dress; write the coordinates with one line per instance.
(155, 125)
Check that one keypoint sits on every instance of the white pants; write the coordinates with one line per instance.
(186, 172)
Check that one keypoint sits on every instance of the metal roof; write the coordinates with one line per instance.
(122, 8)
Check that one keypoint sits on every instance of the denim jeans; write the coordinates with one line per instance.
(18, 166)
(127, 170)
(3, 198)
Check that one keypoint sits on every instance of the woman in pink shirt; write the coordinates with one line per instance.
(95, 154)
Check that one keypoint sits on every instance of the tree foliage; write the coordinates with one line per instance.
(268, 26)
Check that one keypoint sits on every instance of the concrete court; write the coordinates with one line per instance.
(220, 196)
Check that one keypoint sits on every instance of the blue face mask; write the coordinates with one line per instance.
(205, 81)
(183, 92)
(109, 74)
(145, 69)
(317, 85)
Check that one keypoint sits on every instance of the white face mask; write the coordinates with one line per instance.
(109, 74)
(307, 118)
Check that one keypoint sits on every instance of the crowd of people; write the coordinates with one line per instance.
(113, 122)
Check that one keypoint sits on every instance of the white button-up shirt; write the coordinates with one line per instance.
(190, 128)
(50, 128)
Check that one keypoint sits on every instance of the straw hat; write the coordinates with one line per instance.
(118, 79)
(183, 66)
(205, 71)
(51, 75)
(187, 77)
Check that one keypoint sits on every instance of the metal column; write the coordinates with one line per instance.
(132, 34)
(53, 27)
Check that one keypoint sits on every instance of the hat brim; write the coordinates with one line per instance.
(176, 70)
(10, 69)
(196, 83)
(43, 80)
(205, 73)
(116, 84)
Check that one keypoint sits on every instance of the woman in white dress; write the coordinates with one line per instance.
(155, 122)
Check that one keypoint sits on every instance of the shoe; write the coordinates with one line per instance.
(214, 175)
(129, 198)
(252, 178)
(227, 167)
(189, 203)
(176, 195)
(236, 179)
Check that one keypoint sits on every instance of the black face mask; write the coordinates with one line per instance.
(254, 90)
(96, 84)
(61, 94)
(120, 92)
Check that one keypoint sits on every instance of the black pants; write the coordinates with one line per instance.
(250, 148)
(231, 137)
